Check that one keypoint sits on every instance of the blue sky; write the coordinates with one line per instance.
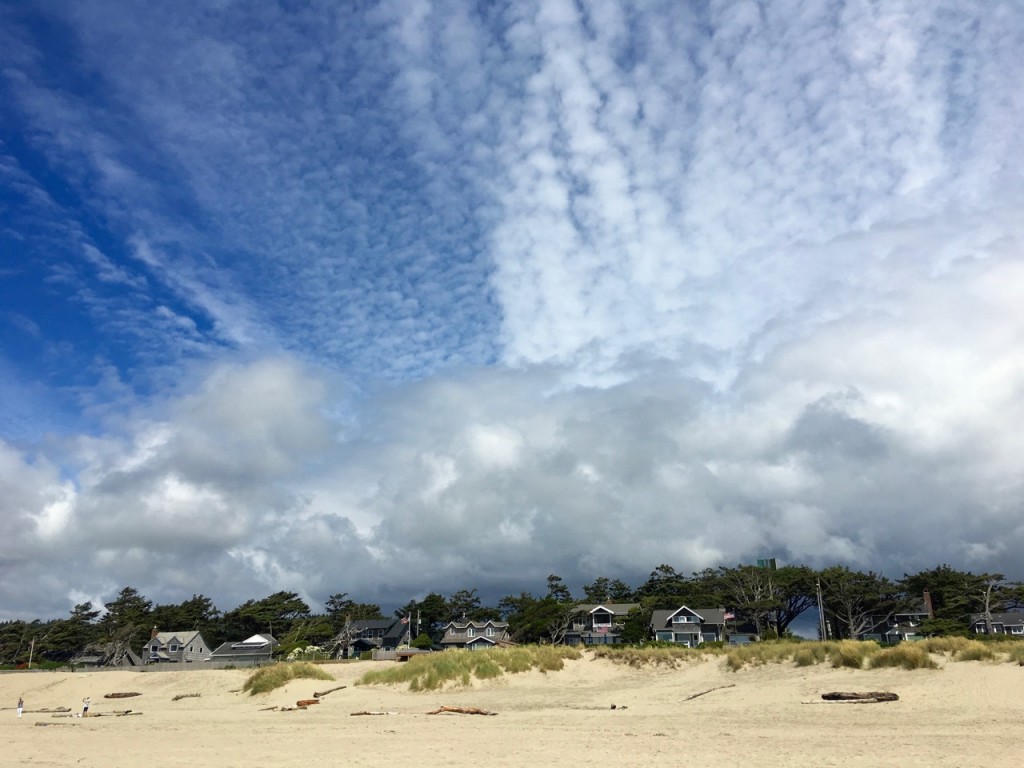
(386, 298)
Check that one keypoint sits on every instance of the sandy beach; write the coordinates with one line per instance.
(966, 713)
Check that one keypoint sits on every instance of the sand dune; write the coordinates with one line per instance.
(967, 713)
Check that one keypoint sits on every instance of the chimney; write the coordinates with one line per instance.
(153, 633)
(928, 604)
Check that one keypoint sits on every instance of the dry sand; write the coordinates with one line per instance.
(967, 713)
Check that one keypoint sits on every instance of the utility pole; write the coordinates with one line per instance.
(822, 625)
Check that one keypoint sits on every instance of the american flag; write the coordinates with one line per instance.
(405, 619)
(729, 615)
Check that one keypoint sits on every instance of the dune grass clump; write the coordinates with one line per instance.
(851, 653)
(433, 671)
(904, 656)
(948, 646)
(810, 654)
(1016, 653)
(975, 651)
(270, 678)
(767, 652)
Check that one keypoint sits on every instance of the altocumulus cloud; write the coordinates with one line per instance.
(690, 285)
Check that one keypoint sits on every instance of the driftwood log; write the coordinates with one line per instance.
(181, 696)
(366, 712)
(306, 702)
(123, 695)
(868, 697)
(318, 694)
(462, 711)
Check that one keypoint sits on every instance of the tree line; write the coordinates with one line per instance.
(765, 601)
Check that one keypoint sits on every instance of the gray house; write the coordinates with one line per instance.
(689, 626)
(474, 635)
(1011, 623)
(598, 624)
(172, 647)
(258, 649)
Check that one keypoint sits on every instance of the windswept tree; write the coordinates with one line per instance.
(855, 601)
(274, 614)
(605, 590)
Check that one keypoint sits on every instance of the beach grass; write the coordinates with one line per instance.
(434, 671)
(904, 656)
(270, 678)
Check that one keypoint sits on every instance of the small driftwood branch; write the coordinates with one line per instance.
(462, 711)
(268, 709)
(181, 696)
(123, 695)
(45, 724)
(366, 712)
(318, 694)
(709, 690)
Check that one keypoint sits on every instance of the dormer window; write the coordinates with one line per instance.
(470, 632)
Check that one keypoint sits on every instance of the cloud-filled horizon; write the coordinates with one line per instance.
(426, 295)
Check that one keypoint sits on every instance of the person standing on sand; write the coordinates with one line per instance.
(85, 707)
(21, 704)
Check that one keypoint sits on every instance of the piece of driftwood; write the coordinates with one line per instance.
(866, 696)
(181, 696)
(45, 710)
(268, 709)
(366, 712)
(122, 695)
(306, 702)
(45, 724)
(709, 690)
(462, 711)
(318, 694)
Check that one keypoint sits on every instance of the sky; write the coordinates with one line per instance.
(424, 295)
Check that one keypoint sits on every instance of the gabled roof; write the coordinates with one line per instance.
(618, 609)
(712, 616)
(179, 638)
(1012, 618)
(476, 624)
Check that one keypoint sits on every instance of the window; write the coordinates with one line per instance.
(470, 632)
(681, 619)
(490, 631)
(174, 648)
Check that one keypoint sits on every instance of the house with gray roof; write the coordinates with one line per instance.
(258, 649)
(174, 647)
(688, 626)
(1009, 623)
(475, 635)
(598, 624)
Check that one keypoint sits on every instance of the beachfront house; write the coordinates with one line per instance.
(475, 635)
(374, 635)
(900, 627)
(688, 626)
(598, 624)
(253, 651)
(1011, 623)
(174, 647)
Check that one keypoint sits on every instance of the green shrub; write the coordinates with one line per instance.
(270, 678)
